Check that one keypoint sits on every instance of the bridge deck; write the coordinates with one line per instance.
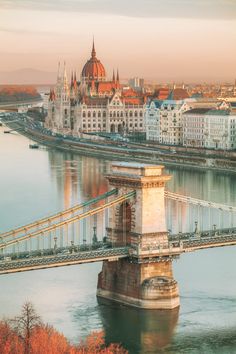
(60, 260)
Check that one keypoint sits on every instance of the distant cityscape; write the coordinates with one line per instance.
(187, 115)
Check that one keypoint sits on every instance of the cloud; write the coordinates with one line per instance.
(27, 31)
(205, 9)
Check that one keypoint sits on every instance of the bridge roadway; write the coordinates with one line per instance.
(60, 260)
(152, 253)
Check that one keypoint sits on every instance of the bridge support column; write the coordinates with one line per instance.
(144, 279)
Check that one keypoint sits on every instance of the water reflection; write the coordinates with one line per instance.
(141, 331)
(77, 178)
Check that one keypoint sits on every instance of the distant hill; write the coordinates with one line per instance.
(10, 93)
(27, 76)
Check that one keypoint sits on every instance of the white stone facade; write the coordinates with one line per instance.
(213, 129)
(94, 114)
(164, 121)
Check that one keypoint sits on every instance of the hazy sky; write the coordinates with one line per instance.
(161, 39)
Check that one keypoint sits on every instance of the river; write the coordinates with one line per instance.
(34, 183)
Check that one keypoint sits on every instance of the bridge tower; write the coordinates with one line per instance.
(143, 280)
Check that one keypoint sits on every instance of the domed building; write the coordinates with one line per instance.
(94, 104)
(93, 70)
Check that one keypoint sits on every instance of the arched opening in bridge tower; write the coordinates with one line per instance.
(124, 223)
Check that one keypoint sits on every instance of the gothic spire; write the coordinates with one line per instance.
(72, 79)
(58, 72)
(117, 76)
(113, 76)
(93, 50)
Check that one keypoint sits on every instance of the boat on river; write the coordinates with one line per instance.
(33, 146)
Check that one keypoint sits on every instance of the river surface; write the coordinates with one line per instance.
(34, 183)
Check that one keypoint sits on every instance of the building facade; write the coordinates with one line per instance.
(210, 128)
(164, 120)
(94, 104)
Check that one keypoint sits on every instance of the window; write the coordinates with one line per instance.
(89, 114)
(84, 114)
(94, 114)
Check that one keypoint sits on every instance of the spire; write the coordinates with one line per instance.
(64, 74)
(75, 79)
(93, 50)
(117, 76)
(58, 72)
(72, 79)
(113, 76)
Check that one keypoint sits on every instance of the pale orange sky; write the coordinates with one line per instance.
(142, 39)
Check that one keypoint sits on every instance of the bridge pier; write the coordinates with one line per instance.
(144, 280)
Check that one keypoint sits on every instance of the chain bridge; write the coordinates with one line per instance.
(136, 228)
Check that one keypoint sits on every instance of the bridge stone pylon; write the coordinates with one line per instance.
(139, 223)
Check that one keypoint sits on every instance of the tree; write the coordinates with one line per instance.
(45, 339)
(26, 334)
(95, 343)
(9, 341)
(25, 324)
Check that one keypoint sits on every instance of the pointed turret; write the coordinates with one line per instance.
(72, 80)
(113, 76)
(64, 74)
(93, 54)
(58, 73)
(117, 77)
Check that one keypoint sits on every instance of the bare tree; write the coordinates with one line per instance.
(26, 323)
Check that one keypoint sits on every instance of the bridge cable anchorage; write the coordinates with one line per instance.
(58, 215)
(71, 220)
(199, 202)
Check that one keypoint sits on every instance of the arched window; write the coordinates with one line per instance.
(84, 114)
(89, 114)
(114, 114)
(104, 114)
(94, 114)
(99, 114)
(121, 114)
(131, 114)
(118, 114)
(141, 114)
(136, 114)
(113, 128)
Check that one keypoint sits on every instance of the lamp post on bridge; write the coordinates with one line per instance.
(214, 230)
(72, 246)
(94, 240)
(196, 231)
(55, 245)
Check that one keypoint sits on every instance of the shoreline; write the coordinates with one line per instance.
(125, 154)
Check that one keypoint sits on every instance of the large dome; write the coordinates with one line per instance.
(93, 69)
